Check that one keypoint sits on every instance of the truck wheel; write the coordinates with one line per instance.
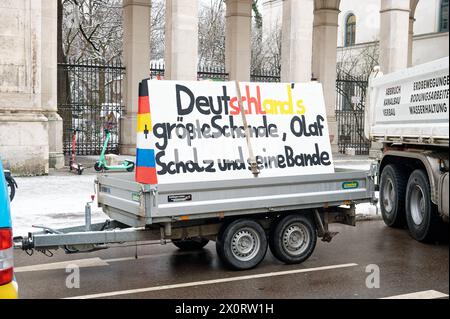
(293, 239)
(392, 196)
(242, 244)
(190, 244)
(423, 220)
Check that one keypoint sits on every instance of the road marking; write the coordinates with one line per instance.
(211, 282)
(428, 294)
(179, 253)
(89, 262)
(82, 263)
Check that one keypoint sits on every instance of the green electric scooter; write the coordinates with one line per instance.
(102, 164)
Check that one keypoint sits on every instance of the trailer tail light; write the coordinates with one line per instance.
(6, 256)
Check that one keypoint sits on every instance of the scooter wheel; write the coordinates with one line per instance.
(98, 167)
(131, 168)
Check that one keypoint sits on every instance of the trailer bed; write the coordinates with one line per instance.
(138, 205)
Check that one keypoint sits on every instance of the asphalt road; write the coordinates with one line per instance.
(335, 270)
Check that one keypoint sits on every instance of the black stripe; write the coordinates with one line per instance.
(143, 88)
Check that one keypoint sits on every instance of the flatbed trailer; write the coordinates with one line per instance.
(244, 217)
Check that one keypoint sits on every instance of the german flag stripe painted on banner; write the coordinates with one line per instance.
(145, 158)
(144, 105)
(146, 175)
(144, 123)
(145, 154)
(144, 141)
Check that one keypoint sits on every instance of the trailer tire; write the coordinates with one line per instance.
(242, 244)
(392, 196)
(293, 239)
(190, 244)
(424, 222)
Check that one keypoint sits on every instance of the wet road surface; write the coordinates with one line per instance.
(335, 270)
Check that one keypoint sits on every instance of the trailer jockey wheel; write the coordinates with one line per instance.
(242, 244)
(190, 244)
(293, 239)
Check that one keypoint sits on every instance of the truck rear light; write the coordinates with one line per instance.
(6, 256)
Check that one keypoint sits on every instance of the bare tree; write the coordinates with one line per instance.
(157, 21)
(211, 48)
(358, 62)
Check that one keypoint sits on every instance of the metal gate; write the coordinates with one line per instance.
(87, 93)
(350, 105)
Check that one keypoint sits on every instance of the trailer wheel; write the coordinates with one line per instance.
(190, 244)
(392, 196)
(423, 220)
(242, 244)
(293, 239)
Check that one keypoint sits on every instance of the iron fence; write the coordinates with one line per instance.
(265, 76)
(219, 74)
(350, 106)
(88, 92)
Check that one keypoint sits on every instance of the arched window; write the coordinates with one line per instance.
(443, 16)
(350, 30)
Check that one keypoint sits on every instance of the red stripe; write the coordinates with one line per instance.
(146, 175)
(144, 105)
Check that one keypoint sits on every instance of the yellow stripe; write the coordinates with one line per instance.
(144, 119)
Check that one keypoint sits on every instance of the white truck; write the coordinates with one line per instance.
(408, 113)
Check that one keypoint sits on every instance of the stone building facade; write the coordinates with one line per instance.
(30, 128)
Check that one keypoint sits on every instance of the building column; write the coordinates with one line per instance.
(238, 52)
(136, 54)
(413, 6)
(181, 32)
(297, 35)
(324, 59)
(394, 35)
(23, 127)
(49, 83)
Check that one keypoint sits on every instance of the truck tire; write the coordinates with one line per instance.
(293, 239)
(242, 244)
(422, 216)
(392, 196)
(190, 244)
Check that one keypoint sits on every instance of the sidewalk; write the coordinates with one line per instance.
(58, 200)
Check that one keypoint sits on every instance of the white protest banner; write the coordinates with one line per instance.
(198, 133)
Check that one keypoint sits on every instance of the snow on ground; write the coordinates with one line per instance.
(53, 201)
(58, 200)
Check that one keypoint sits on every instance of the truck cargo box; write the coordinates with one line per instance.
(410, 106)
